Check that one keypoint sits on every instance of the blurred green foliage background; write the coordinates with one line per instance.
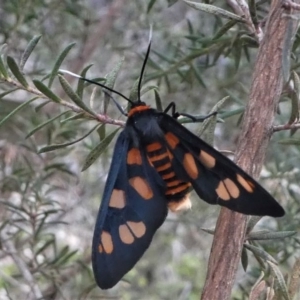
(48, 206)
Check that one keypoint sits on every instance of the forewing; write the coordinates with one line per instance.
(133, 207)
(215, 178)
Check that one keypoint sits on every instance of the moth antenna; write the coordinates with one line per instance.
(96, 83)
(143, 68)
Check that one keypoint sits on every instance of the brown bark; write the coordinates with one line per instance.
(255, 135)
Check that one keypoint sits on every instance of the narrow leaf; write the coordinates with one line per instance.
(3, 68)
(73, 96)
(46, 91)
(16, 71)
(224, 29)
(208, 230)
(134, 90)
(210, 123)
(58, 146)
(45, 124)
(244, 259)
(262, 235)
(98, 150)
(31, 45)
(260, 253)
(211, 9)
(8, 92)
(252, 221)
(16, 110)
(110, 81)
(150, 5)
(290, 141)
(58, 63)
(279, 280)
(80, 85)
(102, 131)
(158, 103)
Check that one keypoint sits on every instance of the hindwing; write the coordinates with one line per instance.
(214, 177)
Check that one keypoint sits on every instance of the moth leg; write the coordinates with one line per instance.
(176, 114)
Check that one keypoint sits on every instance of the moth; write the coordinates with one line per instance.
(155, 165)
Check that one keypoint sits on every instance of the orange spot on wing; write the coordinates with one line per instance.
(134, 157)
(247, 185)
(125, 234)
(100, 248)
(222, 191)
(107, 243)
(117, 199)
(232, 188)
(168, 176)
(207, 160)
(172, 140)
(142, 187)
(153, 147)
(138, 228)
(190, 165)
(178, 189)
(181, 205)
(164, 167)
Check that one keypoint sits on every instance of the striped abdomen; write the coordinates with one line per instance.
(177, 190)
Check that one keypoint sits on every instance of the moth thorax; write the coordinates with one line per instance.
(184, 204)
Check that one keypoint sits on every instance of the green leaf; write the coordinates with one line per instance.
(98, 150)
(8, 92)
(134, 90)
(59, 146)
(80, 85)
(209, 230)
(30, 47)
(252, 221)
(224, 29)
(244, 259)
(267, 235)
(260, 253)
(16, 110)
(150, 5)
(58, 63)
(210, 123)
(110, 81)
(294, 96)
(158, 103)
(217, 11)
(45, 124)
(16, 71)
(73, 96)
(279, 280)
(46, 91)
(290, 141)
(102, 131)
(3, 68)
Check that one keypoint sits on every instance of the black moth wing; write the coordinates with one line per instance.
(133, 207)
(214, 177)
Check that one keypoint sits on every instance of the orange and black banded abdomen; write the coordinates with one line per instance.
(161, 159)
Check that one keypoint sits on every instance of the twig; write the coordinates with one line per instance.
(23, 268)
(241, 8)
(286, 127)
(256, 131)
(98, 117)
